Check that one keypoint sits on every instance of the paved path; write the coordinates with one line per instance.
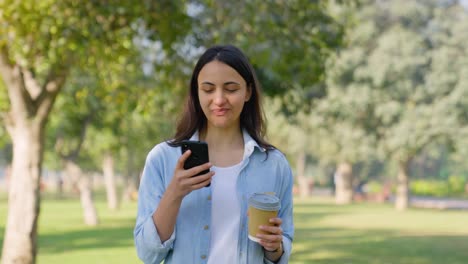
(415, 201)
(439, 203)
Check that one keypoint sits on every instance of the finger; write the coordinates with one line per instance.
(183, 158)
(272, 229)
(195, 170)
(201, 184)
(270, 246)
(270, 238)
(200, 179)
(276, 221)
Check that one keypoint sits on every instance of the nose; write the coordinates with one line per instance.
(219, 98)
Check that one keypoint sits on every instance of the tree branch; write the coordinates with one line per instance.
(58, 146)
(73, 154)
(20, 100)
(84, 129)
(30, 83)
(45, 100)
(50, 76)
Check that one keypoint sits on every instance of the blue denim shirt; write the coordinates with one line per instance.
(190, 241)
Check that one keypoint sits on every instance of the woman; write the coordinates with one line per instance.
(180, 221)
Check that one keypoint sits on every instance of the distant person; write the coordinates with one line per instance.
(334, 178)
(179, 220)
(360, 192)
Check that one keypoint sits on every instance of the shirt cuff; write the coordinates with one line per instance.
(284, 259)
(152, 237)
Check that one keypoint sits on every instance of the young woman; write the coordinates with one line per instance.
(181, 221)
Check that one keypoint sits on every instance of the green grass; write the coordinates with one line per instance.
(63, 238)
(370, 233)
(325, 233)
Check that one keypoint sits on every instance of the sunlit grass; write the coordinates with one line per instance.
(325, 233)
(63, 237)
(371, 233)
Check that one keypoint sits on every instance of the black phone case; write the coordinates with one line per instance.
(198, 156)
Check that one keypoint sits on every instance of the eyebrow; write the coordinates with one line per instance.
(226, 83)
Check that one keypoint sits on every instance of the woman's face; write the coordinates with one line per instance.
(222, 92)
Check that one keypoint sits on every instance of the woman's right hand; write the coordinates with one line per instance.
(183, 182)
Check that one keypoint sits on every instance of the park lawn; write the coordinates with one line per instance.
(325, 233)
(374, 233)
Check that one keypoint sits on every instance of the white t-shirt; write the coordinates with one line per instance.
(225, 215)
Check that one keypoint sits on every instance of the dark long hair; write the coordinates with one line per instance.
(252, 117)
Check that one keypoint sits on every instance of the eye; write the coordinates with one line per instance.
(232, 88)
(207, 89)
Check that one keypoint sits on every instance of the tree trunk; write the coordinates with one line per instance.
(73, 171)
(30, 105)
(109, 179)
(132, 179)
(402, 197)
(303, 182)
(20, 241)
(343, 183)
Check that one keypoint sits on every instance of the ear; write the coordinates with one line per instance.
(249, 93)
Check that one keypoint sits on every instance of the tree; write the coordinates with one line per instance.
(40, 44)
(391, 53)
(302, 90)
(69, 126)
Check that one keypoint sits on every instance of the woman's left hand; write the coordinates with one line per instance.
(272, 240)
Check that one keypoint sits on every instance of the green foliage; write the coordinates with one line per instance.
(374, 187)
(133, 115)
(457, 184)
(4, 105)
(385, 89)
(429, 188)
(96, 44)
(47, 33)
(454, 186)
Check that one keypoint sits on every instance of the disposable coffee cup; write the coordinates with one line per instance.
(262, 207)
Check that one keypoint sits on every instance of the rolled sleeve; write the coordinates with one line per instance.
(151, 238)
(287, 247)
(150, 248)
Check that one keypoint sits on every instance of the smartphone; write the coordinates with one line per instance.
(198, 156)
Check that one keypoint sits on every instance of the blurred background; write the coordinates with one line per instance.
(368, 99)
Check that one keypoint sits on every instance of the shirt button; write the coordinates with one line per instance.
(205, 227)
(203, 256)
(209, 198)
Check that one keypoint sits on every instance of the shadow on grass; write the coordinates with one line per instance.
(93, 238)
